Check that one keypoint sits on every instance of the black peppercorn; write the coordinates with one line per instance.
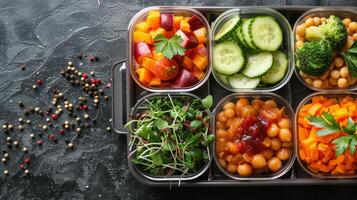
(21, 104)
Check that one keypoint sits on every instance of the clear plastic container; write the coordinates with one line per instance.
(306, 100)
(246, 12)
(281, 102)
(184, 11)
(341, 12)
(141, 106)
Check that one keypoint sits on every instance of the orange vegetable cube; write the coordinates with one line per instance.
(333, 108)
(200, 62)
(314, 108)
(156, 32)
(177, 21)
(158, 55)
(198, 73)
(201, 35)
(156, 81)
(143, 27)
(185, 26)
(153, 19)
(145, 76)
(341, 113)
(142, 37)
(149, 64)
(187, 63)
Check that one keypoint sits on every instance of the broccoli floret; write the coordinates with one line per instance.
(314, 58)
(332, 30)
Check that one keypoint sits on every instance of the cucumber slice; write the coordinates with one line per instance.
(278, 70)
(247, 37)
(227, 30)
(239, 81)
(240, 37)
(266, 33)
(258, 64)
(228, 58)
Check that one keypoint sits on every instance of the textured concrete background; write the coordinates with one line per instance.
(44, 35)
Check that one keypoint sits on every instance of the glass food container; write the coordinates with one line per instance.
(246, 12)
(281, 102)
(182, 11)
(341, 12)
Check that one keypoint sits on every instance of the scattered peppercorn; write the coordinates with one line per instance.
(21, 104)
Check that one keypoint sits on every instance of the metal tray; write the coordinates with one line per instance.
(126, 93)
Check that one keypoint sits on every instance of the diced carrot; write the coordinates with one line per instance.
(142, 37)
(142, 27)
(187, 63)
(201, 35)
(145, 76)
(198, 73)
(149, 64)
(314, 108)
(177, 21)
(333, 108)
(341, 113)
(153, 19)
(318, 99)
(156, 32)
(157, 55)
(200, 61)
(156, 81)
(302, 133)
(185, 26)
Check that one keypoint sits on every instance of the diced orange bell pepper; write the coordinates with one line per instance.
(184, 25)
(200, 62)
(156, 81)
(198, 73)
(341, 113)
(187, 63)
(142, 37)
(156, 32)
(145, 76)
(153, 19)
(143, 27)
(201, 35)
(149, 64)
(314, 108)
(157, 55)
(177, 21)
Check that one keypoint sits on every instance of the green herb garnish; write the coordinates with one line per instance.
(170, 136)
(169, 47)
(328, 125)
(351, 59)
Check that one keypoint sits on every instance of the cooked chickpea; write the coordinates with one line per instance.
(284, 123)
(223, 163)
(231, 167)
(273, 130)
(352, 26)
(232, 147)
(275, 144)
(317, 83)
(242, 102)
(228, 105)
(344, 72)
(309, 22)
(317, 21)
(274, 164)
(221, 133)
(299, 38)
(220, 125)
(347, 21)
(338, 62)
(299, 44)
(257, 103)
(300, 30)
(354, 36)
(332, 81)
(349, 42)
(283, 154)
(270, 103)
(308, 81)
(342, 83)
(335, 74)
(267, 142)
(229, 112)
(245, 169)
(221, 117)
(285, 135)
(258, 161)
(267, 153)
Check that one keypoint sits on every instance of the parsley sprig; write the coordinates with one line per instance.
(351, 59)
(169, 47)
(328, 125)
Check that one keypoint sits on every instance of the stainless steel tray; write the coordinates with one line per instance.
(126, 93)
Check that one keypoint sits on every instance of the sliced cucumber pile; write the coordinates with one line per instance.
(246, 52)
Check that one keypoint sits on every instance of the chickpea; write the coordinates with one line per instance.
(300, 30)
(257, 104)
(352, 26)
(245, 169)
(221, 133)
(299, 44)
(338, 62)
(223, 163)
(285, 135)
(274, 164)
(228, 105)
(317, 21)
(347, 21)
(229, 112)
(248, 111)
(302, 74)
(349, 42)
(241, 102)
(299, 38)
(258, 161)
(344, 72)
(221, 117)
(354, 36)
(309, 22)
(284, 123)
(273, 130)
(283, 154)
(332, 81)
(335, 74)
(220, 125)
(232, 147)
(275, 144)
(267, 153)
(270, 103)
(231, 167)
(247, 157)
(267, 141)
(317, 83)
(308, 81)
(342, 83)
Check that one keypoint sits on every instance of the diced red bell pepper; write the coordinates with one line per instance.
(195, 23)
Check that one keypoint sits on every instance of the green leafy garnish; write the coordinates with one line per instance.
(169, 47)
(351, 59)
(207, 102)
(328, 125)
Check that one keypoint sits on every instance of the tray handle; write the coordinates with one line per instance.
(119, 103)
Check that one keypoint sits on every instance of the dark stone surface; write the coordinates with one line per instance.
(43, 35)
